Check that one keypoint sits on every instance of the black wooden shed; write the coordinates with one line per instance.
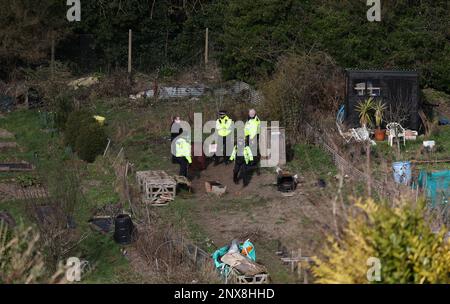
(398, 89)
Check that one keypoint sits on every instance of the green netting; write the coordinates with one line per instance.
(436, 185)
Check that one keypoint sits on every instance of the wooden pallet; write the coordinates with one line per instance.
(157, 187)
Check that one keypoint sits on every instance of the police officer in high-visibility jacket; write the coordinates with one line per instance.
(252, 130)
(243, 157)
(183, 153)
(224, 128)
(252, 126)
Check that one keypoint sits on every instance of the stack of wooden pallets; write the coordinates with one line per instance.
(157, 187)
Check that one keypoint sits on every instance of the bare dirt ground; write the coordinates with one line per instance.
(261, 213)
(5, 134)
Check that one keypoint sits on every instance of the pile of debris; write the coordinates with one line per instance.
(171, 92)
(19, 95)
(237, 264)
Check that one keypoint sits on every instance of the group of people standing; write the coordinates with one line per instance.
(245, 153)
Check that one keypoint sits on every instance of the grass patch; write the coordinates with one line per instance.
(309, 159)
(182, 213)
(46, 150)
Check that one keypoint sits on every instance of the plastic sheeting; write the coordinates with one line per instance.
(246, 249)
(436, 185)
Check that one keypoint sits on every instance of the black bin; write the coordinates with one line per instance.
(124, 229)
(286, 183)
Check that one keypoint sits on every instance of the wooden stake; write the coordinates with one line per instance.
(107, 147)
(206, 46)
(52, 63)
(129, 50)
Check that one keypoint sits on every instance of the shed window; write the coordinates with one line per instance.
(367, 88)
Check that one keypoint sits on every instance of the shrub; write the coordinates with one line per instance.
(63, 107)
(90, 142)
(303, 88)
(399, 236)
(73, 126)
(84, 135)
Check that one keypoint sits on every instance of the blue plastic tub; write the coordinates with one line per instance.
(402, 172)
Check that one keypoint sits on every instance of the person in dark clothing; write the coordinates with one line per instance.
(184, 165)
(243, 157)
(175, 128)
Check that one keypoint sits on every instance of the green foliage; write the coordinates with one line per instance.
(75, 121)
(399, 236)
(256, 34)
(409, 36)
(312, 159)
(27, 30)
(365, 109)
(379, 108)
(27, 180)
(90, 142)
(163, 32)
(84, 135)
(64, 106)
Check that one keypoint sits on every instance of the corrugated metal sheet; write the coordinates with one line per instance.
(177, 92)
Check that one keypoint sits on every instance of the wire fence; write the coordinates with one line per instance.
(85, 54)
(389, 191)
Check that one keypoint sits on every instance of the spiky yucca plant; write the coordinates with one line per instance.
(379, 108)
(365, 109)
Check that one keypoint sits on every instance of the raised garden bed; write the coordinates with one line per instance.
(16, 167)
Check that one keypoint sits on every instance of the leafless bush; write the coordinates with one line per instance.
(53, 212)
(21, 259)
(303, 88)
(164, 251)
(399, 107)
(115, 85)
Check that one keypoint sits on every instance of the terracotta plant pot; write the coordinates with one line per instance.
(380, 135)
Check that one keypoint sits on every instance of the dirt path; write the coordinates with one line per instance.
(261, 213)
(5, 134)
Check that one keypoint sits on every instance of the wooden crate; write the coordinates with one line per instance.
(256, 279)
(157, 187)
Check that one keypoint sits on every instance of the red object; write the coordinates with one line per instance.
(380, 135)
(198, 162)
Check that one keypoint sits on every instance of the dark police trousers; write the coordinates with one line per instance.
(184, 164)
(241, 169)
(223, 148)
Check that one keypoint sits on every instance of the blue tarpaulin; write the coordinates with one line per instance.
(436, 185)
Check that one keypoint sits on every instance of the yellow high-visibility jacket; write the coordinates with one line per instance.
(183, 149)
(248, 155)
(252, 127)
(224, 126)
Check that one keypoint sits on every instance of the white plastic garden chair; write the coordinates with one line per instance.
(395, 131)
